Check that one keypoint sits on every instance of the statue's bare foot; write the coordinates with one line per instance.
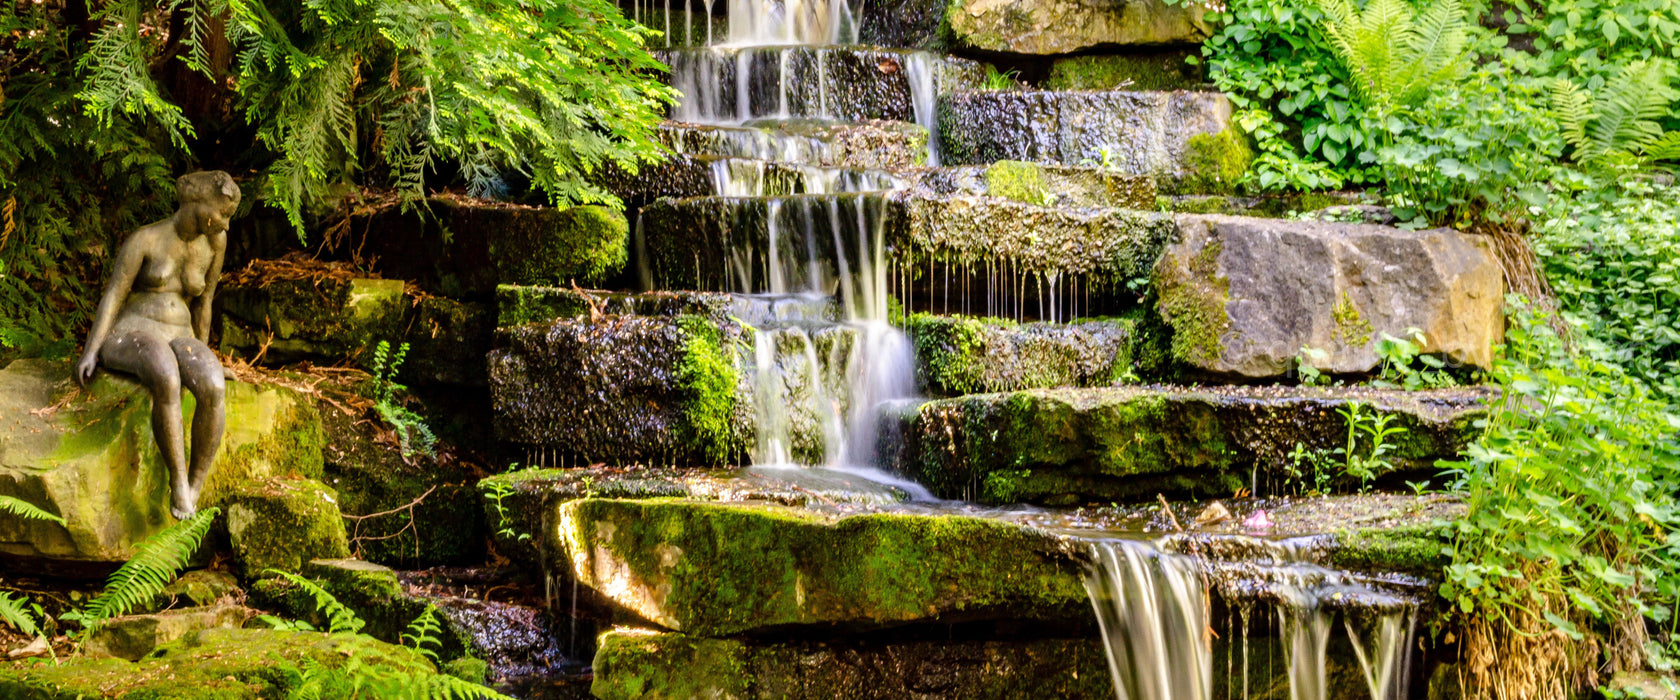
(183, 507)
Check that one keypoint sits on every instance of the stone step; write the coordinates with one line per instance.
(874, 144)
(733, 85)
(1182, 138)
(958, 355)
(684, 176)
(1121, 444)
(1036, 27)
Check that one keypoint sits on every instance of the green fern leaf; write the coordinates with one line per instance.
(340, 619)
(1667, 147)
(26, 510)
(15, 612)
(1628, 107)
(1573, 108)
(154, 564)
(443, 687)
(423, 632)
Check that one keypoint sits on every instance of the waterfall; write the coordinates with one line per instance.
(783, 22)
(1154, 611)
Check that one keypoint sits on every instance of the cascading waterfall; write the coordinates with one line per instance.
(1154, 608)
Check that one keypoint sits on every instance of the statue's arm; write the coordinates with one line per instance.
(127, 267)
(201, 310)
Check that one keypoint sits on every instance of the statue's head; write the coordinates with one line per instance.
(208, 198)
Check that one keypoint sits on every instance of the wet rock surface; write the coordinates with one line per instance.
(1243, 296)
(1068, 26)
(1069, 446)
(646, 664)
(840, 83)
(719, 569)
(962, 355)
(89, 457)
(1136, 133)
(882, 144)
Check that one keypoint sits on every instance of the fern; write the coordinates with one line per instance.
(412, 432)
(1573, 107)
(1621, 118)
(423, 632)
(14, 612)
(26, 510)
(340, 619)
(1665, 148)
(154, 565)
(1394, 53)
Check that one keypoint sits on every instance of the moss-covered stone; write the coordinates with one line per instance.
(465, 247)
(1045, 184)
(283, 523)
(1022, 182)
(331, 318)
(963, 355)
(369, 590)
(1136, 132)
(1272, 206)
(134, 636)
(215, 664)
(1067, 26)
(1414, 549)
(644, 664)
(1129, 443)
(715, 569)
(1214, 163)
(89, 457)
(432, 514)
(447, 340)
(197, 588)
(626, 390)
(1193, 303)
(518, 305)
(1167, 70)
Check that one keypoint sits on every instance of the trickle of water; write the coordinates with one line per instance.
(781, 22)
(1153, 610)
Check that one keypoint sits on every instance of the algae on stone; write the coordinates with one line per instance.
(962, 355)
(1168, 70)
(283, 523)
(1048, 27)
(1214, 163)
(717, 569)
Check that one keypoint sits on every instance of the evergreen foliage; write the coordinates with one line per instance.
(15, 612)
(26, 510)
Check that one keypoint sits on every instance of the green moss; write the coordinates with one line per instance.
(518, 305)
(707, 377)
(1163, 71)
(371, 591)
(631, 665)
(216, 664)
(1414, 549)
(1214, 163)
(725, 569)
(584, 244)
(1352, 330)
(1020, 181)
(469, 669)
(1193, 305)
(283, 523)
(288, 320)
(948, 352)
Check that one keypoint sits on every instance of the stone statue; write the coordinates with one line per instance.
(154, 323)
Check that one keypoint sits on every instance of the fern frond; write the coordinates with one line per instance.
(15, 612)
(444, 687)
(1628, 107)
(154, 564)
(340, 619)
(423, 632)
(1665, 148)
(26, 510)
(1573, 108)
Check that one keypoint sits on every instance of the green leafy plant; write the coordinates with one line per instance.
(1309, 472)
(1305, 370)
(1000, 80)
(422, 633)
(340, 618)
(497, 491)
(1567, 546)
(20, 614)
(1365, 462)
(1393, 52)
(1397, 356)
(26, 510)
(1622, 119)
(412, 432)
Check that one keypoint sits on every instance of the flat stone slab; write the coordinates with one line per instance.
(720, 569)
(876, 143)
(134, 636)
(1119, 444)
(1043, 184)
(958, 355)
(683, 176)
(1048, 27)
(1244, 296)
(89, 457)
(633, 663)
(1141, 132)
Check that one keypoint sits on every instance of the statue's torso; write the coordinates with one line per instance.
(173, 274)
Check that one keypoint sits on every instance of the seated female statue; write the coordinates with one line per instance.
(154, 323)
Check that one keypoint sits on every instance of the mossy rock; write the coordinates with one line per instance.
(518, 305)
(443, 525)
(89, 456)
(134, 636)
(1215, 163)
(1120, 444)
(1049, 185)
(465, 247)
(215, 664)
(631, 663)
(962, 355)
(283, 523)
(1049, 27)
(332, 318)
(1167, 70)
(716, 569)
(369, 590)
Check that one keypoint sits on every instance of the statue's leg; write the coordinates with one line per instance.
(148, 357)
(201, 374)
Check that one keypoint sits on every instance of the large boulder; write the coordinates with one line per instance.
(1244, 296)
(1169, 135)
(279, 524)
(716, 570)
(1068, 446)
(1068, 26)
(89, 457)
(633, 663)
